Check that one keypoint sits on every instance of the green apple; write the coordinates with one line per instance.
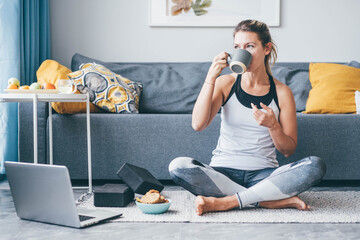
(14, 81)
(35, 85)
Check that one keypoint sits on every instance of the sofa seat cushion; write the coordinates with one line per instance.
(332, 138)
(150, 141)
(171, 136)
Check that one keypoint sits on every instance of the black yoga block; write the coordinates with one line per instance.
(139, 179)
(113, 195)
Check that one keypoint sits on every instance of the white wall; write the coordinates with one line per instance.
(117, 30)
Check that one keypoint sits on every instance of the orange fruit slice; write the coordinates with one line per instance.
(24, 87)
(49, 86)
(12, 86)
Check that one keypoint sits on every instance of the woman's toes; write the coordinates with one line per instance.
(199, 205)
(300, 204)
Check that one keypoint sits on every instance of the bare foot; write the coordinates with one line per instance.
(200, 205)
(211, 204)
(291, 202)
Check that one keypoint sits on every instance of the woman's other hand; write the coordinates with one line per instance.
(265, 119)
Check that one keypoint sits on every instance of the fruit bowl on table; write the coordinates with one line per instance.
(153, 208)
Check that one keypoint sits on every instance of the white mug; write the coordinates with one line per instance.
(66, 86)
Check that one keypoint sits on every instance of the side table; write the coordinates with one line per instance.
(56, 97)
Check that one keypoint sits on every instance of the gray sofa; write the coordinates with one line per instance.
(162, 130)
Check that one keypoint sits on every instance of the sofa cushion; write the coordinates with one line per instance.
(333, 138)
(167, 87)
(354, 64)
(333, 88)
(107, 90)
(25, 130)
(297, 80)
(152, 148)
(49, 72)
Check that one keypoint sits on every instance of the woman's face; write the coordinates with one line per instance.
(250, 42)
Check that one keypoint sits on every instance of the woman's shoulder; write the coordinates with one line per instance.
(284, 94)
(224, 84)
(282, 89)
(226, 80)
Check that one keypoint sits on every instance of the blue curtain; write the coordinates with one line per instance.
(35, 37)
(24, 45)
(9, 67)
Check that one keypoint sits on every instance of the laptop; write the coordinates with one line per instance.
(43, 193)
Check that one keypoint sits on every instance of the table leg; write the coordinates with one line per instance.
(50, 135)
(88, 141)
(35, 128)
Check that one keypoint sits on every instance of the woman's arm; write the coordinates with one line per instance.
(284, 131)
(210, 97)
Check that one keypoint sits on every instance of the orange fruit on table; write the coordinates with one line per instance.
(12, 86)
(49, 86)
(24, 87)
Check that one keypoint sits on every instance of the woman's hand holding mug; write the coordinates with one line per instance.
(218, 64)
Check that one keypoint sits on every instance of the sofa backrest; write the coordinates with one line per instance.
(167, 87)
(174, 87)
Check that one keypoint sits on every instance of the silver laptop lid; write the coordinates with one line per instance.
(42, 193)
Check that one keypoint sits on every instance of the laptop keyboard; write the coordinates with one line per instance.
(84, 218)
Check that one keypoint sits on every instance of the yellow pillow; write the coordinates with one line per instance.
(333, 88)
(49, 72)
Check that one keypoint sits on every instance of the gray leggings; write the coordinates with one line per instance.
(250, 187)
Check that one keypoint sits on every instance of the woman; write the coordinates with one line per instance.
(258, 116)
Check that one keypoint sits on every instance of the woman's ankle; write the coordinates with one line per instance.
(227, 203)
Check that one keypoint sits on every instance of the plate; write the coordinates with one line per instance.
(48, 91)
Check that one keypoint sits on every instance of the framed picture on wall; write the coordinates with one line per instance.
(212, 13)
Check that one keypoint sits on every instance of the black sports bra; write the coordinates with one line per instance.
(246, 99)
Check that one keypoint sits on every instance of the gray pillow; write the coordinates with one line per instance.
(297, 80)
(354, 64)
(167, 87)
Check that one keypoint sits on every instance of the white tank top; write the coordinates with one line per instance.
(243, 143)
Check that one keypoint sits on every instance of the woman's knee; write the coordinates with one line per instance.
(318, 166)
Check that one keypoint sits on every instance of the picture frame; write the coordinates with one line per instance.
(213, 13)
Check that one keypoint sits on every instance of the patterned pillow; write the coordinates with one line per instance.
(110, 91)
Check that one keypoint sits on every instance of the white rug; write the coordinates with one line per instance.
(326, 207)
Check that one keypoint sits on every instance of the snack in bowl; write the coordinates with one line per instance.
(153, 203)
(152, 197)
